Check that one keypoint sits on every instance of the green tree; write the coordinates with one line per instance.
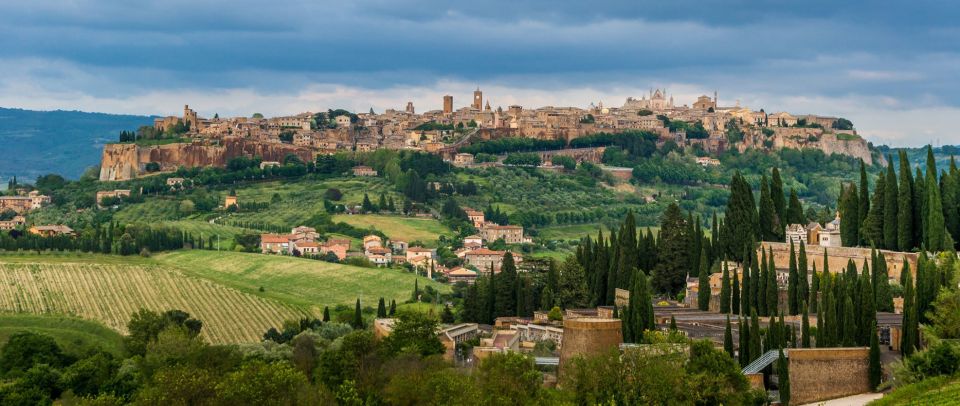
(905, 207)
(910, 334)
(381, 309)
(506, 280)
(783, 377)
(864, 207)
(849, 206)
(934, 222)
(805, 327)
(779, 202)
(728, 338)
(768, 221)
(674, 251)
(573, 290)
(872, 228)
(891, 208)
(703, 295)
(357, 321)
(326, 314)
(414, 333)
(725, 290)
(740, 219)
(735, 294)
(795, 210)
(875, 367)
(793, 280)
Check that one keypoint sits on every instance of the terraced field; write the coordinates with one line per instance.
(111, 292)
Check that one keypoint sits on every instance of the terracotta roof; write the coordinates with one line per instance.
(460, 271)
(484, 251)
(274, 238)
(372, 237)
(418, 249)
(378, 250)
(337, 241)
(308, 244)
(473, 237)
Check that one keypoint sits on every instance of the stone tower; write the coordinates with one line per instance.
(478, 99)
(447, 104)
(410, 108)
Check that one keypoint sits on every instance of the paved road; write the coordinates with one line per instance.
(855, 400)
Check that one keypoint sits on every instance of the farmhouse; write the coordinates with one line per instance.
(509, 234)
(337, 246)
(483, 259)
(363, 170)
(11, 224)
(115, 194)
(51, 230)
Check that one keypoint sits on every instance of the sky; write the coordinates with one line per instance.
(889, 66)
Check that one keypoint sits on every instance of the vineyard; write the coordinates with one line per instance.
(110, 293)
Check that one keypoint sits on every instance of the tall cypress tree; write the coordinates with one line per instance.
(779, 203)
(910, 334)
(743, 327)
(875, 368)
(849, 206)
(357, 322)
(381, 309)
(919, 206)
(934, 222)
(867, 309)
(767, 213)
(891, 208)
(326, 314)
(905, 205)
(740, 219)
(872, 227)
(783, 378)
(813, 298)
(805, 327)
(803, 284)
(795, 210)
(725, 290)
(761, 284)
(728, 338)
(754, 343)
(506, 280)
(773, 290)
(951, 199)
(735, 293)
(703, 295)
(793, 281)
(755, 281)
(864, 201)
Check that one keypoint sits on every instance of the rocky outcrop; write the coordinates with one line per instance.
(812, 138)
(126, 161)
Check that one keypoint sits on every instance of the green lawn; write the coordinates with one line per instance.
(577, 231)
(932, 391)
(397, 227)
(72, 334)
(297, 281)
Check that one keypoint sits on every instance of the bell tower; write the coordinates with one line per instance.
(477, 99)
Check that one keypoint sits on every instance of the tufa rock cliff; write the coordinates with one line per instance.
(126, 161)
(813, 138)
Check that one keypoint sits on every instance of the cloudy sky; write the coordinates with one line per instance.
(890, 66)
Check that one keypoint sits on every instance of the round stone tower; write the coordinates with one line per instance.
(588, 336)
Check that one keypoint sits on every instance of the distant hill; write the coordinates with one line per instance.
(64, 142)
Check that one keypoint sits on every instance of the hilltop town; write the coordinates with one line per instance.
(191, 140)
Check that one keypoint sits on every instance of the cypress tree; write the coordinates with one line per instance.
(875, 368)
(793, 281)
(805, 328)
(381, 309)
(919, 207)
(740, 219)
(735, 293)
(767, 214)
(673, 324)
(910, 334)
(891, 208)
(393, 308)
(703, 295)
(872, 228)
(629, 258)
(813, 299)
(506, 281)
(934, 222)
(728, 338)
(803, 284)
(905, 204)
(357, 317)
(821, 337)
(761, 283)
(867, 309)
(743, 355)
(326, 314)
(795, 210)
(725, 290)
(415, 296)
(783, 378)
(951, 199)
(754, 284)
(849, 206)
(864, 201)
(773, 290)
(779, 203)
(849, 323)
(754, 337)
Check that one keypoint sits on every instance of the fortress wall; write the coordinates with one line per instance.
(837, 257)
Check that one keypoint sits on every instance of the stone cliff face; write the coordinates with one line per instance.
(811, 138)
(126, 161)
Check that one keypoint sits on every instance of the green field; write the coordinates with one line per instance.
(72, 334)
(941, 390)
(296, 281)
(396, 227)
(577, 231)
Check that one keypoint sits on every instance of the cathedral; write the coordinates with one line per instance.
(658, 101)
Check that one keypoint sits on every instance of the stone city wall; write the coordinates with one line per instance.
(818, 374)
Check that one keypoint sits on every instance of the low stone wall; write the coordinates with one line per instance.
(818, 374)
